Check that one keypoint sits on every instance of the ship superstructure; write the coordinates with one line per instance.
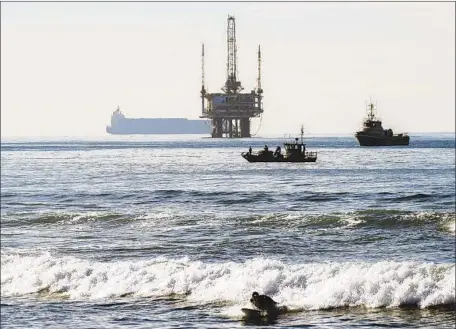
(231, 110)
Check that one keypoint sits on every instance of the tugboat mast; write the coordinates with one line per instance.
(370, 112)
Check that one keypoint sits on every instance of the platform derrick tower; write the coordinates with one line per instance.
(230, 112)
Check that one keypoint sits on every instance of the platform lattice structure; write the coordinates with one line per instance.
(230, 111)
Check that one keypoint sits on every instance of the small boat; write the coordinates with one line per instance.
(294, 152)
(373, 133)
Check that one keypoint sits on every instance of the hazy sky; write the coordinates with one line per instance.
(66, 66)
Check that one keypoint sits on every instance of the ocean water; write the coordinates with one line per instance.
(177, 232)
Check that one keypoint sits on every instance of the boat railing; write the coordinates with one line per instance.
(311, 154)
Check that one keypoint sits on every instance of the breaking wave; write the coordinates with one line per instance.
(309, 286)
(366, 218)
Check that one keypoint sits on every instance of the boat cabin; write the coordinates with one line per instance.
(295, 149)
(373, 124)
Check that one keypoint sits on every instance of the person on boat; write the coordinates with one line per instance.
(250, 150)
(265, 148)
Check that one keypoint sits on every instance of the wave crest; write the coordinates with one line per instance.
(299, 286)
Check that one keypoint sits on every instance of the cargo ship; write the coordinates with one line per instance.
(373, 133)
(120, 125)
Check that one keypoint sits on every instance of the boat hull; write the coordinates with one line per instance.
(396, 140)
(251, 157)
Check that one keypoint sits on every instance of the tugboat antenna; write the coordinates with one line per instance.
(302, 134)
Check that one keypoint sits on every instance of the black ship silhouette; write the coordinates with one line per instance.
(294, 152)
(373, 134)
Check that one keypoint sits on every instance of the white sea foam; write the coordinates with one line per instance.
(452, 226)
(299, 286)
(352, 220)
(448, 222)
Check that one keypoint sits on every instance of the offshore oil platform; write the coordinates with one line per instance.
(230, 112)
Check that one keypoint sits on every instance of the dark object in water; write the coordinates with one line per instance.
(373, 133)
(257, 317)
(263, 302)
(266, 307)
(294, 152)
(257, 313)
(263, 317)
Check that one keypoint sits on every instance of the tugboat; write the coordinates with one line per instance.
(373, 133)
(294, 152)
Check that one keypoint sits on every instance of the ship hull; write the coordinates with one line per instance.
(120, 131)
(271, 158)
(366, 140)
(158, 126)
